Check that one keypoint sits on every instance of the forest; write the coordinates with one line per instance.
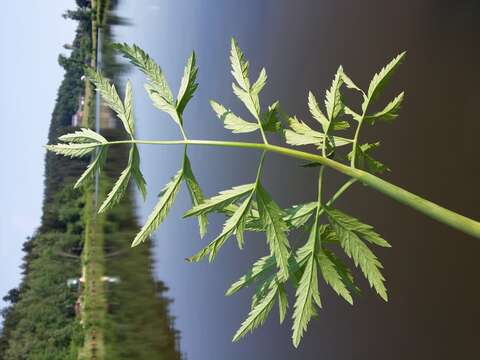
(42, 320)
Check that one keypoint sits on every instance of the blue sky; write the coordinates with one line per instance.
(31, 37)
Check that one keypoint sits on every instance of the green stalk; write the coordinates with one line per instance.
(260, 168)
(319, 205)
(180, 126)
(437, 212)
(183, 133)
(264, 137)
(335, 196)
(357, 134)
(355, 143)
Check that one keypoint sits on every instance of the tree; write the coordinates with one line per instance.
(83, 3)
(12, 296)
(81, 14)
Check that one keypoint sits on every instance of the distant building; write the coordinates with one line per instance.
(77, 118)
(107, 118)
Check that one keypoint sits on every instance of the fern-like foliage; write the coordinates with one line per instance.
(248, 94)
(72, 150)
(327, 231)
(94, 167)
(275, 228)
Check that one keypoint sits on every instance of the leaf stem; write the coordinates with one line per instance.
(180, 126)
(183, 133)
(357, 134)
(320, 183)
(264, 137)
(339, 193)
(434, 211)
(319, 205)
(260, 167)
(354, 145)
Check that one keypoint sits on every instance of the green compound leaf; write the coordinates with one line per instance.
(188, 86)
(249, 207)
(347, 231)
(231, 121)
(196, 194)
(275, 228)
(161, 210)
(221, 201)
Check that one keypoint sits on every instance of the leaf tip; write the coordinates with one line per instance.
(135, 243)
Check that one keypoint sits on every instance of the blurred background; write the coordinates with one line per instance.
(74, 289)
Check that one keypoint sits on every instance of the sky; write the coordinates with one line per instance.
(32, 34)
